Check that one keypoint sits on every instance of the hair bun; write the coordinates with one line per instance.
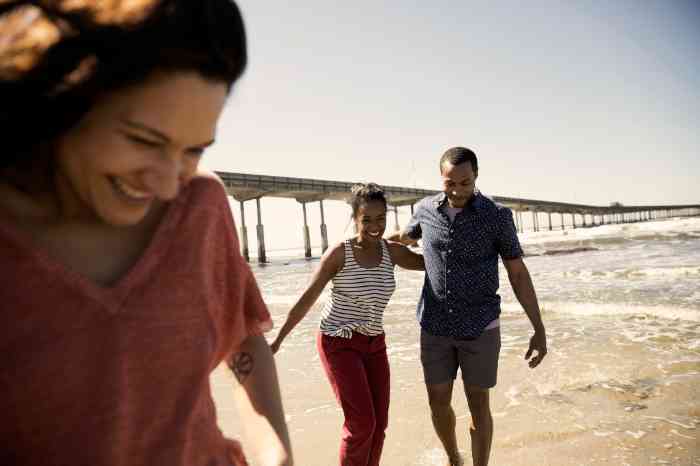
(362, 193)
(365, 189)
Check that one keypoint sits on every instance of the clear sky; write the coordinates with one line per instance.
(588, 102)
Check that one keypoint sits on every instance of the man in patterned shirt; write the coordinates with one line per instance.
(463, 234)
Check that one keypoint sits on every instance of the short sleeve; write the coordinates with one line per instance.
(508, 244)
(244, 297)
(257, 317)
(413, 229)
(243, 312)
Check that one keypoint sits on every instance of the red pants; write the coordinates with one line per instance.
(358, 370)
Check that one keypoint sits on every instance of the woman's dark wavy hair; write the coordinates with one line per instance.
(57, 56)
(363, 193)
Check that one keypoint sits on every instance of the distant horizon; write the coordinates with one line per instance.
(543, 234)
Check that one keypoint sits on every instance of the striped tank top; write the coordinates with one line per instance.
(359, 296)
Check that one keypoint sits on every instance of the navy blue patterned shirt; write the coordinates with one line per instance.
(459, 297)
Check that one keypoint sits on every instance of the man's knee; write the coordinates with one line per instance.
(440, 397)
(478, 400)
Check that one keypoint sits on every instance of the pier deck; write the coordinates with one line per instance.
(244, 187)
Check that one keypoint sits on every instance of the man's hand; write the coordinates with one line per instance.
(538, 343)
(403, 238)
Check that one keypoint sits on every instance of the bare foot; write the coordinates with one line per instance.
(458, 461)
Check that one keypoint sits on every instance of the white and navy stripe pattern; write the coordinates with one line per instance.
(359, 297)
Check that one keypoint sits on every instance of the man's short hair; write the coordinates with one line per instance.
(459, 155)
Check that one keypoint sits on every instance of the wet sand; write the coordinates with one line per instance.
(620, 385)
(600, 398)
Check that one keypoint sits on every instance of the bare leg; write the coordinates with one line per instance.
(481, 428)
(444, 422)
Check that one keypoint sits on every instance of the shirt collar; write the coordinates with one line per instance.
(477, 202)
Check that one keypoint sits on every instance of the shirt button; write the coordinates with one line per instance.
(448, 291)
(449, 310)
(448, 270)
(449, 250)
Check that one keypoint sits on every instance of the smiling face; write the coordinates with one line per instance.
(136, 147)
(371, 221)
(458, 183)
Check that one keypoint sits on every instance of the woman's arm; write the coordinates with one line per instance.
(331, 263)
(404, 257)
(259, 403)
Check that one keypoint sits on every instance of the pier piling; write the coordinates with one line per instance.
(324, 231)
(307, 237)
(244, 235)
(262, 258)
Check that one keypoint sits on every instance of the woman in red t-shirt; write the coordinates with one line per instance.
(122, 284)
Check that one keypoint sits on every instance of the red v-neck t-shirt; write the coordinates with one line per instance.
(119, 375)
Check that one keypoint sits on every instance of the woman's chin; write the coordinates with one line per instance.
(123, 217)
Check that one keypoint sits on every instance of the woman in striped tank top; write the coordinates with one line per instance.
(351, 338)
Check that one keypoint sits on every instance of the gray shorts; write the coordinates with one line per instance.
(478, 358)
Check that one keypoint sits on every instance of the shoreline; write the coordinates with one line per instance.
(620, 385)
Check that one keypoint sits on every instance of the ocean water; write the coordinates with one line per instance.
(620, 384)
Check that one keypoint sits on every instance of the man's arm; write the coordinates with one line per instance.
(403, 238)
(525, 292)
(404, 257)
(259, 403)
(410, 235)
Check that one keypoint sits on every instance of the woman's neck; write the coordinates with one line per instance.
(365, 243)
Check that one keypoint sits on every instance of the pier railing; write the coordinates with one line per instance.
(244, 187)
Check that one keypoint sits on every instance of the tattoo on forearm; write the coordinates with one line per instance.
(241, 364)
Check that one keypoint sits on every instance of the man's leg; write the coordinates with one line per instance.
(479, 363)
(481, 428)
(438, 356)
(444, 421)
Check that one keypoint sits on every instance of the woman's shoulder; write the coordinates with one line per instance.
(394, 246)
(337, 250)
(397, 250)
(205, 185)
(205, 202)
(204, 178)
(334, 257)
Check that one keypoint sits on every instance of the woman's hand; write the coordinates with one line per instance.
(275, 346)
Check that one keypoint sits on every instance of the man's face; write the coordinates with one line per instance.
(458, 183)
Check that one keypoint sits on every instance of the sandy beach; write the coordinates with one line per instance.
(620, 385)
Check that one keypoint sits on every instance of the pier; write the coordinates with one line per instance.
(249, 187)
